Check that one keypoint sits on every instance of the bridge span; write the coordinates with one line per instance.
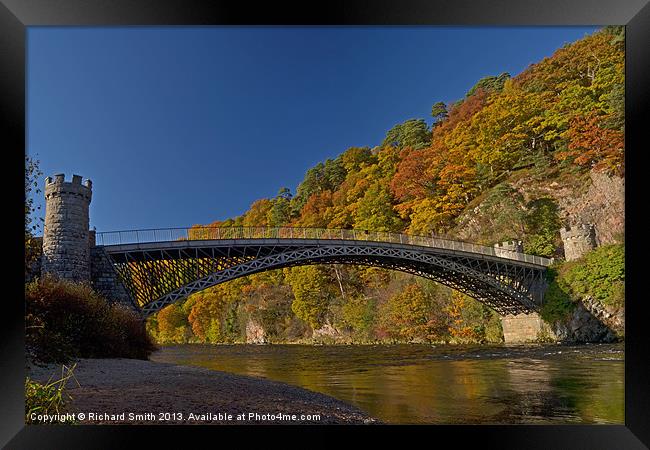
(162, 266)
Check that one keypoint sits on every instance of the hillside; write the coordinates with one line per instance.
(516, 158)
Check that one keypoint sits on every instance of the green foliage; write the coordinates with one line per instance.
(375, 211)
(599, 274)
(558, 304)
(66, 320)
(542, 225)
(32, 224)
(439, 112)
(359, 314)
(47, 399)
(489, 84)
(312, 294)
(280, 213)
(413, 133)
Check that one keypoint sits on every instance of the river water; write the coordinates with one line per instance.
(424, 384)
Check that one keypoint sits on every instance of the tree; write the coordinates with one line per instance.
(409, 316)
(312, 293)
(32, 225)
(489, 84)
(594, 146)
(257, 215)
(439, 112)
(542, 225)
(413, 133)
(355, 157)
(375, 211)
(280, 212)
(172, 324)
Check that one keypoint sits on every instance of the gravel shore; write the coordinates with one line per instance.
(162, 393)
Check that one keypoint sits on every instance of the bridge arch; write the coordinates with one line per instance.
(157, 274)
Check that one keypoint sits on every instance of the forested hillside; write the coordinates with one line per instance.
(515, 158)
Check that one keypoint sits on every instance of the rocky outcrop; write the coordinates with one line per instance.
(326, 333)
(591, 322)
(603, 204)
(255, 333)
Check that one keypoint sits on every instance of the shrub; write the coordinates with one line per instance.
(599, 274)
(558, 304)
(66, 320)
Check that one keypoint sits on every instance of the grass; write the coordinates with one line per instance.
(47, 399)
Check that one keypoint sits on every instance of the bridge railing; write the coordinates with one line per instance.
(221, 233)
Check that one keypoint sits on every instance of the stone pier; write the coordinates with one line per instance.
(524, 328)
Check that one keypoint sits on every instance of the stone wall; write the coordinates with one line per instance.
(66, 253)
(105, 280)
(523, 328)
(506, 248)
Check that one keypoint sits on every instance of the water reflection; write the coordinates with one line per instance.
(425, 384)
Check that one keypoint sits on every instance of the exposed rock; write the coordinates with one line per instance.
(588, 323)
(326, 332)
(255, 333)
(603, 205)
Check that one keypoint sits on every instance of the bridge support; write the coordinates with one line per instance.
(524, 328)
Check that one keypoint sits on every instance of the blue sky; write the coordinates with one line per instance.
(186, 125)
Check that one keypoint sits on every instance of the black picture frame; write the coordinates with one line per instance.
(16, 15)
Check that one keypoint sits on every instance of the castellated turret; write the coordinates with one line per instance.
(507, 247)
(66, 250)
(578, 240)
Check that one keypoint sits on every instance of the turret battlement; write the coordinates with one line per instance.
(505, 248)
(57, 186)
(515, 246)
(580, 231)
(578, 239)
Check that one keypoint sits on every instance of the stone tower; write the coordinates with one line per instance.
(578, 240)
(66, 249)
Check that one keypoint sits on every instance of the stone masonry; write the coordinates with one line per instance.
(66, 252)
(104, 278)
(507, 247)
(69, 250)
(578, 240)
(523, 328)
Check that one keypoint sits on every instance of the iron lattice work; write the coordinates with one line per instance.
(157, 274)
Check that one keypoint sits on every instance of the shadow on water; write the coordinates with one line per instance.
(446, 384)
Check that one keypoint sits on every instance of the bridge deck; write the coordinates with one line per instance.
(200, 236)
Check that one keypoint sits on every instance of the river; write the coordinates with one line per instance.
(424, 384)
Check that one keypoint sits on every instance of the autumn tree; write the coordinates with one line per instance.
(312, 293)
(410, 315)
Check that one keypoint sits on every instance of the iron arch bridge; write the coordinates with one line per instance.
(159, 267)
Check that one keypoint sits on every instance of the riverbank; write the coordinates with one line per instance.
(190, 395)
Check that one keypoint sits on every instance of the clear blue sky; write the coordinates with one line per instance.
(186, 125)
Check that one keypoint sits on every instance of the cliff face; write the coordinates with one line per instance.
(603, 204)
(591, 322)
(594, 198)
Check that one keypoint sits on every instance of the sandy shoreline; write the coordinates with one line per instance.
(155, 391)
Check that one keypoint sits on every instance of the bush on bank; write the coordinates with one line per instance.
(600, 274)
(66, 320)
